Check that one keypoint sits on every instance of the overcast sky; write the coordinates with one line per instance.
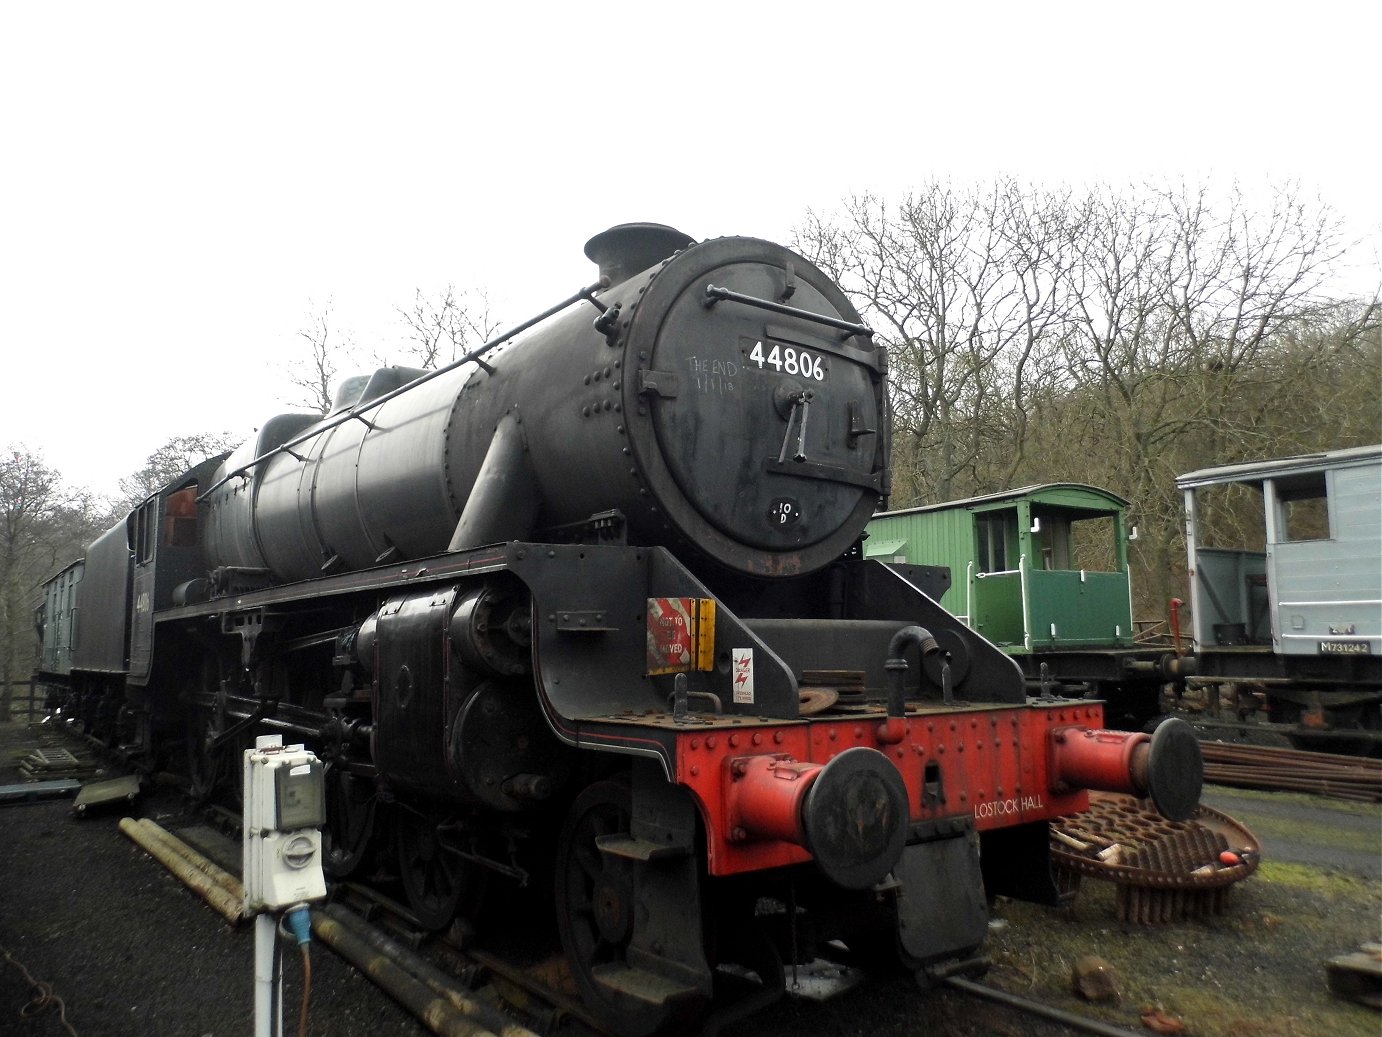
(184, 183)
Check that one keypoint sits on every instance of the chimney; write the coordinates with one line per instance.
(630, 248)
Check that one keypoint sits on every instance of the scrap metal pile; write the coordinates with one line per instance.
(1292, 770)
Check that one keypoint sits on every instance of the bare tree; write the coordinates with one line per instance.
(1179, 300)
(313, 375)
(443, 329)
(963, 287)
(1118, 337)
(169, 461)
(41, 521)
(438, 330)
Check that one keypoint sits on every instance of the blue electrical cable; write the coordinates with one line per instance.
(300, 923)
(299, 919)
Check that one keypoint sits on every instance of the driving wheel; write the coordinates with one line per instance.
(436, 878)
(596, 916)
(350, 808)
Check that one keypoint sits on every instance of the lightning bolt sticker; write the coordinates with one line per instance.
(743, 676)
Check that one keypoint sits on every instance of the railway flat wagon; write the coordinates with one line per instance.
(1042, 572)
(1285, 571)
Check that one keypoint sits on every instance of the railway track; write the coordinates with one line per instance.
(535, 987)
(450, 983)
(456, 988)
(544, 1008)
(389, 929)
(551, 1010)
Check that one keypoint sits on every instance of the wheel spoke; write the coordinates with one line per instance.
(581, 902)
(433, 878)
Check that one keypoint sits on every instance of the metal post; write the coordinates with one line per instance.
(280, 858)
(268, 991)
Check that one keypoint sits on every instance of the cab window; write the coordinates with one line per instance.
(144, 525)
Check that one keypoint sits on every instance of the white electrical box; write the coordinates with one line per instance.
(285, 807)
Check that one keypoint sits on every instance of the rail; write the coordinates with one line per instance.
(1293, 770)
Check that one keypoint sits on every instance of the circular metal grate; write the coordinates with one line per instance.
(1164, 870)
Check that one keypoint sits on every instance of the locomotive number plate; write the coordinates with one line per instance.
(767, 355)
(1345, 648)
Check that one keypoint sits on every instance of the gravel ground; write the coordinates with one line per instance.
(130, 951)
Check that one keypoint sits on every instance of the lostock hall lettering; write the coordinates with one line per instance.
(1007, 807)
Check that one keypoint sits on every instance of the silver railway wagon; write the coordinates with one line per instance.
(1292, 601)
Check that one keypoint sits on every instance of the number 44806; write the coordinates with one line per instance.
(789, 361)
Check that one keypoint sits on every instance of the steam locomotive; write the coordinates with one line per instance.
(586, 611)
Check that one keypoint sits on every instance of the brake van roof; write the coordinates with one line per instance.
(1063, 494)
(1256, 471)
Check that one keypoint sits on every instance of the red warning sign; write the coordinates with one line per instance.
(681, 634)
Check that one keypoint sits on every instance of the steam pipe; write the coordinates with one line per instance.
(893, 729)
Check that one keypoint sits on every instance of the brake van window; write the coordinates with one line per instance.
(1303, 509)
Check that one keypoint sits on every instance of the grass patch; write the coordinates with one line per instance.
(1276, 800)
(1322, 834)
(1334, 884)
(1257, 969)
